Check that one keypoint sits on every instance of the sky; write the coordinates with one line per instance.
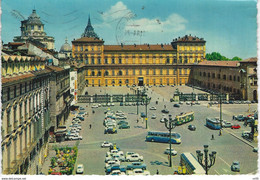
(228, 26)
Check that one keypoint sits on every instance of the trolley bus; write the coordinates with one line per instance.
(163, 137)
(192, 165)
(213, 123)
(184, 118)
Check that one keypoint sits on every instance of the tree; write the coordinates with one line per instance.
(216, 56)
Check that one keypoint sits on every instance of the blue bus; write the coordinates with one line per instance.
(163, 137)
(213, 123)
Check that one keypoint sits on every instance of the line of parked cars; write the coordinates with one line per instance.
(75, 127)
(115, 157)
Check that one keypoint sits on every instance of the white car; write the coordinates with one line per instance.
(134, 157)
(108, 104)
(113, 152)
(112, 162)
(94, 106)
(162, 120)
(138, 172)
(75, 138)
(80, 169)
(117, 172)
(112, 104)
(129, 153)
(99, 105)
(110, 158)
(153, 116)
(173, 152)
(152, 108)
(106, 144)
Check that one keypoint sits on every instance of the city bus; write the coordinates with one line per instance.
(213, 123)
(184, 118)
(191, 164)
(163, 137)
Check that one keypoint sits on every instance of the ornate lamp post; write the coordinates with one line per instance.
(212, 158)
(170, 124)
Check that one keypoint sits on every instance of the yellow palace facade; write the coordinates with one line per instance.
(119, 65)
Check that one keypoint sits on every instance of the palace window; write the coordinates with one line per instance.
(113, 72)
(92, 61)
(14, 91)
(119, 61)
(200, 73)
(204, 74)
(93, 73)
(147, 71)
(86, 60)
(140, 72)
(99, 73)
(224, 77)
(106, 73)
(113, 60)
(213, 75)
(175, 60)
(234, 78)
(168, 71)
(186, 60)
(161, 71)
(168, 60)
(238, 79)
(120, 73)
(230, 78)
(21, 89)
(208, 74)
(218, 76)
(133, 71)
(99, 61)
(106, 62)
(126, 72)
(154, 72)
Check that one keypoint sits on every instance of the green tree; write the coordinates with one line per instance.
(236, 58)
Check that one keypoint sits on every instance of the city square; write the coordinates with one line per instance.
(117, 88)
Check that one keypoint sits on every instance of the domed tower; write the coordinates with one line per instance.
(33, 29)
(66, 49)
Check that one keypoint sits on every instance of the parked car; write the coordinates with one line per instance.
(80, 118)
(80, 169)
(106, 144)
(124, 126)
(235, 166)
(117, 172)
(114, 151)
(75, 138)
(192, 127)
(138, 172)
(246, 134)
(121, 104)
(116, 167)
(236, 126)
(143, 114)
(227, 124)
(112, 162)
(255, 149)
(188, 103)
(166, 111)
(134, 157)
(152, 108)
(129, 153)
(94, 106)
(136, 165)
(173, 152)
(176, 105)
(122, 122)
(162, 120)
(153, 116)
(110, 130)
(239, 117)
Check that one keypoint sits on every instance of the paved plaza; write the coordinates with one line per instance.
(229, 147)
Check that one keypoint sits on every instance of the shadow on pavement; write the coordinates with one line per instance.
(159, 163)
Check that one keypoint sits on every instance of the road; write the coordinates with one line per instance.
(227, 146)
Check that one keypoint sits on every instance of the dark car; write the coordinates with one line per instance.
(122, 168)
(192, 127)
(121, 103)
(176, 105)
(110, 131)
(122, 122)
(124, 126)
(239, 117)
(143, 114)
(166, 111)
(136, 165)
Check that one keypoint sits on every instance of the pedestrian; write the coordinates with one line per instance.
(220, 133)
(212, 138)
(137, 121)
(157, 172)
(90, 126)
(164, 106)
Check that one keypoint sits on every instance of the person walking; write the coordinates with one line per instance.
(137, 121)
(157, 172)
(90, 126)
(212, 137)
(220, 132)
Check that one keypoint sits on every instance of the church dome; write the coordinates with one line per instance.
(65, 47)
(34, 18)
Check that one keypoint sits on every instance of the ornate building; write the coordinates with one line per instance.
(116, 65)
(25, 113)
(33, 29)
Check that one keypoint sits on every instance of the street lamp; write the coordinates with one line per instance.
(220, 111)
(170, 124)
(212, 158)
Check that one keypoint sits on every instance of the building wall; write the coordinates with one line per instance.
(25, 120)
